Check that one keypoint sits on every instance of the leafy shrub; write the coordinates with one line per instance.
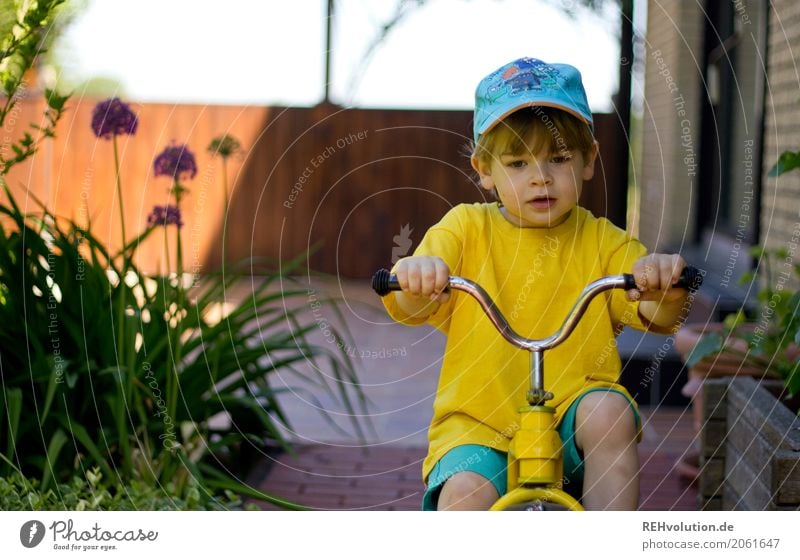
(104, 367)
(91, 493)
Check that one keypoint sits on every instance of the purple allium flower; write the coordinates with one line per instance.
(176, 161)
(112, 117)
(165, 216)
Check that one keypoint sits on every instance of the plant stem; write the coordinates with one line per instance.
(225, 208)
(172, 403)
(166, 252)
(122, 350)
(119, 196)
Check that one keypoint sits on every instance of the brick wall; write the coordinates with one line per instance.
(780, 198)
(672, 110)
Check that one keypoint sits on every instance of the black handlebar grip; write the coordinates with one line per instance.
(630, 283)
(384, 282)
(691, 279)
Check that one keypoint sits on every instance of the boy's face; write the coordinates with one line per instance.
(537, 190)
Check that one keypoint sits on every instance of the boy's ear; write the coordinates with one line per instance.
(484, 172)
(588, 164)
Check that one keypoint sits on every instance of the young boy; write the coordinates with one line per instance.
(533, 251)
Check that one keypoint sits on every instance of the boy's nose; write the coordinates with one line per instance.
(540, 174)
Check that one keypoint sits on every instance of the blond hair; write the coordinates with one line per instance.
(532, 130)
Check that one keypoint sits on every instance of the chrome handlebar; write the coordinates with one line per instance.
(691, 278)
(384, 282)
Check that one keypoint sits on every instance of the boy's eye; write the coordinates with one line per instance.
(560, 159)
(515, 163)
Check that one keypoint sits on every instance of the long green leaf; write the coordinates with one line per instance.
(52, 385)
(244, 490)
(244, 402)
(79, 432)
(53, 451)
(13, 411)
(787, 161)
(708, 345)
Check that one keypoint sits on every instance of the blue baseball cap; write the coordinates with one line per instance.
(528, 82)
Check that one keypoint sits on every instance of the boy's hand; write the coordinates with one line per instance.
(424, 277)
(655, 274)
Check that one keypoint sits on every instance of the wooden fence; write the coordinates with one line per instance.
(344, 182)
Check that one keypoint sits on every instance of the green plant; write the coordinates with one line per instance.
(787, 161)
(771, 339)
(773, 335)
(93, 493)
(142, 378)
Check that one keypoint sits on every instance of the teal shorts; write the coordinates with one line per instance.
(493, 464)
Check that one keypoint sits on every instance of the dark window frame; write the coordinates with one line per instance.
(717, 125)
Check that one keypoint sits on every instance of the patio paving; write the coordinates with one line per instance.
(397, 369)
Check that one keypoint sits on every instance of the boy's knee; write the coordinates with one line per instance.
(604, 417)
(467, 490)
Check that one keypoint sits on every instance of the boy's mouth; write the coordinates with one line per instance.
(542, 202)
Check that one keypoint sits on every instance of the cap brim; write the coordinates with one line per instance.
(533, 103)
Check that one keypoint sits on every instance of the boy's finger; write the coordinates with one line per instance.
(666, 272)
(414, 281)
(633, 295)
(402, 277)
(441, 297)
(442, 277)
(677, 267)
(641, 272)
(428, 274)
